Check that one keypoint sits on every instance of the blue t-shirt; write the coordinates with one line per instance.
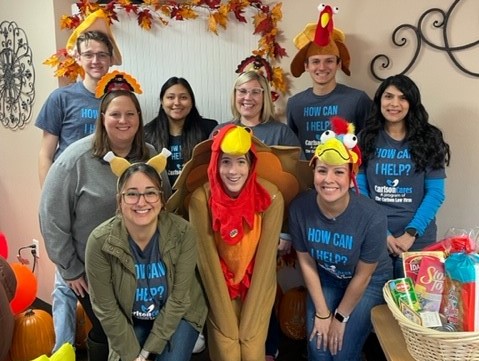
(174, 164)
(309, 115)
(70, 113)
(394, 184)
(151, 284)
(359, 233)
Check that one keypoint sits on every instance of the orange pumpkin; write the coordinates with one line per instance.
(33, 335)
(83, 327)
(292, 313)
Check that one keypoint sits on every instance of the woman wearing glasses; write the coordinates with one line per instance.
(252, 106)
(141, 270)
(79, 191)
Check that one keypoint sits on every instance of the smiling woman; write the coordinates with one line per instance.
(160, 31)
(141, 267)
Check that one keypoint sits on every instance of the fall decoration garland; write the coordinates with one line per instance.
(161, 12)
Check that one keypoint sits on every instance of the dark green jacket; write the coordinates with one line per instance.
(112, 283)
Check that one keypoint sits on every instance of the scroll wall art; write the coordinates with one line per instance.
(17, 77)
(439, 20)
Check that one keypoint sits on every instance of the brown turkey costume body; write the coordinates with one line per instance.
(237, 257)
(238, 237)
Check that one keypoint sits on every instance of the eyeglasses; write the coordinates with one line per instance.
(101, 55)
(133, 197)
(242, 92)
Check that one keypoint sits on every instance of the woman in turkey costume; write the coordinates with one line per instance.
(237, 258)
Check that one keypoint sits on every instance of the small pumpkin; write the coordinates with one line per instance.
(33, 335)
(292, 313)
(83, 327)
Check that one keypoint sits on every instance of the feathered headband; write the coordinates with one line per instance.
(261, 66)
(117, 80)
(321, 39)
(339, 146)
(120, 165)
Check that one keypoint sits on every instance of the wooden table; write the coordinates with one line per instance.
(389, 334)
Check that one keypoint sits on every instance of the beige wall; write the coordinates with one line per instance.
(449, 95)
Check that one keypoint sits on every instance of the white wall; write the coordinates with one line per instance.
(449, 95)
(185, 49)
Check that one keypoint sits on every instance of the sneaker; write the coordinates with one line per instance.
(200, 344)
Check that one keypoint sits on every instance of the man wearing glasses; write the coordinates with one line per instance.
(69, 114)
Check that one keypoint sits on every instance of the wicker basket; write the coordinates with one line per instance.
(425, 344)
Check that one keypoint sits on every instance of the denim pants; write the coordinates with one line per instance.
(64, 307)
(180, 346)
(398, 269)
(359, 325)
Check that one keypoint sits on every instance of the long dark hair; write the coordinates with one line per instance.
(426, 141)
(157, 132)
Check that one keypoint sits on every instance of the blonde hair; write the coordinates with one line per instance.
(267, 111)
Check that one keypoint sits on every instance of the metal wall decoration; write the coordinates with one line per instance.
(17, 77)
(443, 22)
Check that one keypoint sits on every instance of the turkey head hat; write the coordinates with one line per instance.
(338, 146)
(320, 39)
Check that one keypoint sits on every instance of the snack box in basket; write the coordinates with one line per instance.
(429, 283)
(412, 261)
(402, 291)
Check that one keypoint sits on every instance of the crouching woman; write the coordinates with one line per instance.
(141, 268)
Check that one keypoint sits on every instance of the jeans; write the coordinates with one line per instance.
(64, 307)
(180, 346)
(359, 325)
(272, 340)
(398, 269)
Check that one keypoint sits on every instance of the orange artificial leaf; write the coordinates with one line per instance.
(145, 19)
(222, 17)
(276, 13)
(187, 14)
(166, 10)
(279, 80)
(52, 61)
(82, 6)
(153, 3)
(86, 7)
(123, 2)
(212, 24)
(69, 22)
(259, 52)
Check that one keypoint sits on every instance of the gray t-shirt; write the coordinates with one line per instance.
(359, 233)
(309, 115)
(70, 113)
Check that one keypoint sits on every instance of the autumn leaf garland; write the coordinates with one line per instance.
(161, 12)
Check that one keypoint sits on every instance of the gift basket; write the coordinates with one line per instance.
(449, 342)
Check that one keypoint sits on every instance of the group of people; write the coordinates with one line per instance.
(150, 280)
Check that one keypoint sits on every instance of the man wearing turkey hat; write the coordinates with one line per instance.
(69, 114)
(322, 51)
